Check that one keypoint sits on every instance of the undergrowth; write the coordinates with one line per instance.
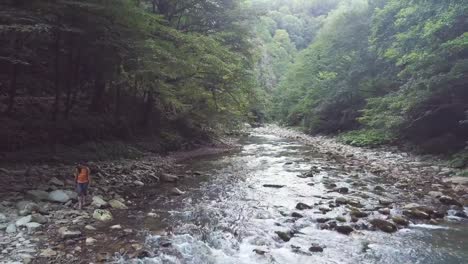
(365, 138)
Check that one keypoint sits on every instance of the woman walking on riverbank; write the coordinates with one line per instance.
(82, 179)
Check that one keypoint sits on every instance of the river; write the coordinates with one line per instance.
(228, 216)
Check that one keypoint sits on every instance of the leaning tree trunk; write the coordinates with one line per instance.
(56, 106)
(12, 90)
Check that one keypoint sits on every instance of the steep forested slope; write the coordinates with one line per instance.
(394, 70)
(76, 71)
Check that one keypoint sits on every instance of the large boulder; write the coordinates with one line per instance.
(32, 226)
(11, 228)
(23, 220)
(116, 204)
(38, 218)
(447, 200)
(37, 195)
(27, 207)
(59, 196)
(102, 215)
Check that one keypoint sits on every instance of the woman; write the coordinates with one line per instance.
(82, 179)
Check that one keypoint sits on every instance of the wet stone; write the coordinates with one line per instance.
(358, 214)
(303, 206)
(323, 220)
(384, 211)
(385, 202)
(415, 213)
(297, 215)
(315, 248)
(285, 236)
(344, 229)
(384, 225)
(449, 201)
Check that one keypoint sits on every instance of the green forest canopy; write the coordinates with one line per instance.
(376, 70)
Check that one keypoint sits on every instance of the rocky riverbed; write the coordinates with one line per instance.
(274, 200)
(40, 222)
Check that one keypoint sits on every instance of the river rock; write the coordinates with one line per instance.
(3, 218)
(340, 219)
(416, 213)
(102, 215)
(323, 219)
(48, 253)
(38, 195)
(116, 204)
(72, 194)
(55, 181)
(58, 196)
(358, 213)
(385, 202)
(139, 183)
(38, 218)
(342, 190)
(273, 185)
(457, 180)
(27, 207)
(435, 194)
(461, 214)
(165, 177)
(285, 236)
(315, 248)
(176, 191)
(297, 215)
(116, 227)
(379, 188)
(32, 226)
(90, 241)
(23, 220)
(90, 227)
(341, 200)
(324, 209)
(99, 202)
(11, 228)
(400, 220)
(384, 225)
(303, 206)
(344, 229)
(259, 251)
(68, 234)
(384, 211)
(449, 201)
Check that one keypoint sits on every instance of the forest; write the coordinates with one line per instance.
(234, 131)
(372, 72)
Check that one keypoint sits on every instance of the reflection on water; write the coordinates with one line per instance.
(229, 214)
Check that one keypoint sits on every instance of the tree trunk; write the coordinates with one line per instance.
(76, 83)
(70, 80)
(12, 90)
(99, 88)
(148, 107)
(57, 77)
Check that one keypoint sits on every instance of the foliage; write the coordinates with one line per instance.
(141, 66)
(361, 138)
(394, 66)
